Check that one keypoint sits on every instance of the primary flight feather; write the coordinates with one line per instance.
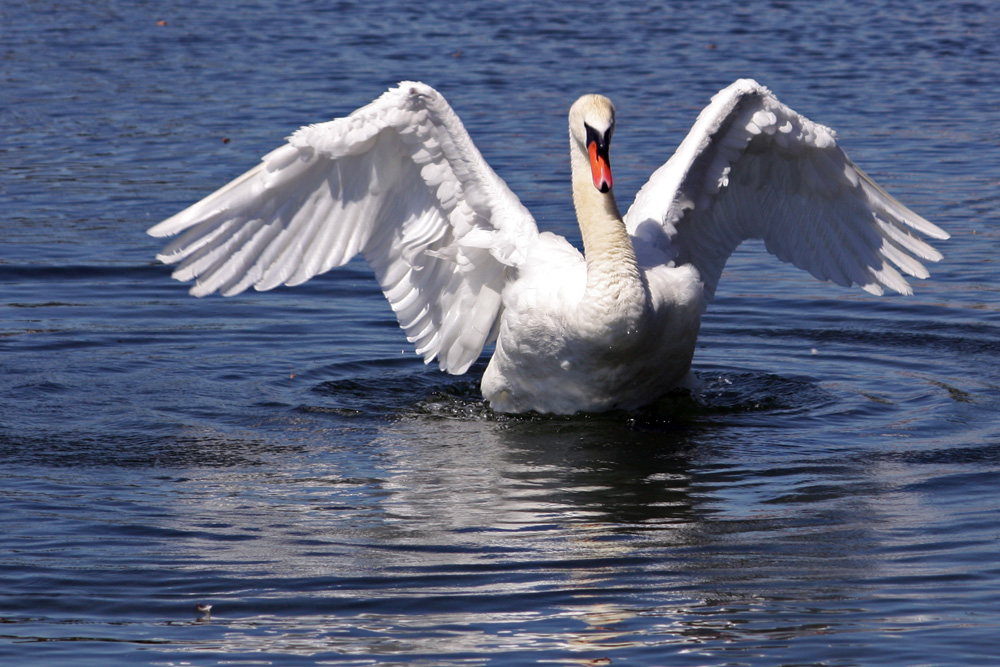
(463, 264)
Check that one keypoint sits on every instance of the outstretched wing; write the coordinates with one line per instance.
(398, 181)
(752, 168)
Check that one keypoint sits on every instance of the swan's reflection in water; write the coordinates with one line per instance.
(452, 534)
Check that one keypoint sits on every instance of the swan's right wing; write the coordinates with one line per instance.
(398, 181)
(753, 168)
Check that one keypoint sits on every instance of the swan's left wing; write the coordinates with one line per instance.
(398, 181)
(752, 168)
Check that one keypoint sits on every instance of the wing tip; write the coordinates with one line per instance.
(164, 228)
(934, 231)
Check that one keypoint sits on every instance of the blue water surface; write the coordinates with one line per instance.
(830, 498)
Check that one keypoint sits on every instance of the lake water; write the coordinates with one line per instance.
(832, 498)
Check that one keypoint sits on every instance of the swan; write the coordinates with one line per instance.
(463, 264)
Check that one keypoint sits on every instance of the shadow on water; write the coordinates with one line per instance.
(625, 469)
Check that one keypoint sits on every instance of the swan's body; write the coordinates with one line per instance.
(462, 262)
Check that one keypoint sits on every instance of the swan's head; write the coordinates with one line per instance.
(591, 124)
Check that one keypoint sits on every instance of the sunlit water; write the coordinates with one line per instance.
(830, 498)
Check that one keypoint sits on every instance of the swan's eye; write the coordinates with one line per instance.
(595, 137)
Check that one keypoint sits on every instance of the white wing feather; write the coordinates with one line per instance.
(398, 181)
(752, 168)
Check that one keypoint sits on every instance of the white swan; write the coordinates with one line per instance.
(462, 262)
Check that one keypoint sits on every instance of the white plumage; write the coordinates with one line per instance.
(462, 262)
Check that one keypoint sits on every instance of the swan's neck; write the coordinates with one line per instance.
(613, 278)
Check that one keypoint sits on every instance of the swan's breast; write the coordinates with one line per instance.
(553, 355)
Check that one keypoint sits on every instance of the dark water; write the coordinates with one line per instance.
(832, 498)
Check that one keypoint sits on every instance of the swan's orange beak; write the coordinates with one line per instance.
(600, 165)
